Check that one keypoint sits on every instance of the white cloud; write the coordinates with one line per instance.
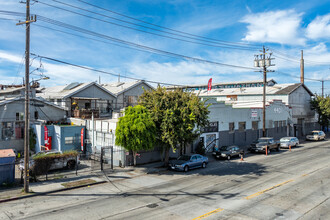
(275, 26)
(10, 57)
(319, 27)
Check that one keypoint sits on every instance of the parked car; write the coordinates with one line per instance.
(185, 162)
(289, 141)
(228, 152)
(315, 136)
(261, 144)
(58, 163)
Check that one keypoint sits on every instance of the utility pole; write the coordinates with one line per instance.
(264, 62)
(27, 95)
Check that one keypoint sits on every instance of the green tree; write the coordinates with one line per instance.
(178, 116)
(322, 106)
(136, 130)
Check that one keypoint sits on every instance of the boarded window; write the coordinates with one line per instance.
(231, 127)
(255, 125)
(241, 126)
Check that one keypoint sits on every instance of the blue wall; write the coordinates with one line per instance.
(58, 134)
(71, 131)
(7, 170)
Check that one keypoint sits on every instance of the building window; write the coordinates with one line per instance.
(7, 131)
(241, 126)
(17, 116)
(255, 125)
(36, 115)
(231, 127)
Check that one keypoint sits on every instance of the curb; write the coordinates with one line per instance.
(49, 192)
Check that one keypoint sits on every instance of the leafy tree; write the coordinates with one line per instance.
(322, 107)
(136, 130)
(178, 116)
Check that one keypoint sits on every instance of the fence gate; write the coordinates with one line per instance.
(102, 160)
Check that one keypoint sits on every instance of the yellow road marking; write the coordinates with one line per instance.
(266, 190)
(209, 213)
(305, 174)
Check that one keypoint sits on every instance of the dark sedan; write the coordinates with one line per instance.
(185, 162)
(228, 152)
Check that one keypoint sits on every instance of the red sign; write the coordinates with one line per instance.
(209, 85)
(46, 134)
(82, 139)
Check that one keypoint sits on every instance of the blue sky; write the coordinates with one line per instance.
(285, 27)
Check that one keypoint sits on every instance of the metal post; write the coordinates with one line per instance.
(27, 91)
(322, 88)
(101, 160)
(264, 94)
(111, 150)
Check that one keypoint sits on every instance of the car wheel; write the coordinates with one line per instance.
(228, 157)
(278, 148)
(186, 168)
(203, 165)
(71, 164)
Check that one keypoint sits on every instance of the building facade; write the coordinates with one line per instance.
(240, 125)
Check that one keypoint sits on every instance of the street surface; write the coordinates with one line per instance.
(283, 185)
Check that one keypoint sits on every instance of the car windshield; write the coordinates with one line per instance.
(224, 148)
(262, 140)
(313, 133)
(284, 139)
(184, 157)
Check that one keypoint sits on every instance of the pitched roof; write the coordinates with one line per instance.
(65, 91)
(10, 100)
(120, 87)
(289, 89)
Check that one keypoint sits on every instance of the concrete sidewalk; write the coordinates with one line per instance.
(70, 180)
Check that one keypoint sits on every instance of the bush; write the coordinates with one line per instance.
(200, 149)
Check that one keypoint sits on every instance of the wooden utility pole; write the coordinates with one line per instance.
(27, 101)
(27, 95)
(264, 62)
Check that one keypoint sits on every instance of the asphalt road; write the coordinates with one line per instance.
(283, 185)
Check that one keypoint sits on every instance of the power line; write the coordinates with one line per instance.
(155, 25)
(201, 42)
(135, 45)
(101, 71)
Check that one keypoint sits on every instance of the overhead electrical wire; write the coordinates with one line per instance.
(200, 41)
(169, 37)
(101, 71)
(132, 44)
(170, 29)
(135, 45)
